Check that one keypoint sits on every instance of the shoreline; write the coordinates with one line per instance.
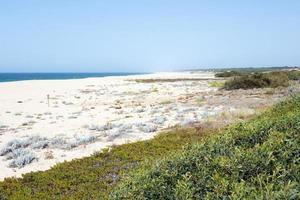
(60, 76)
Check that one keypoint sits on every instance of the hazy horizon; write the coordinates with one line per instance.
(147, 36)
(143, 72)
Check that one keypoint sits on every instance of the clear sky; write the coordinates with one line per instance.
(147, 35)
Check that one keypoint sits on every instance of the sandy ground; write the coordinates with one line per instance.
(85, 115)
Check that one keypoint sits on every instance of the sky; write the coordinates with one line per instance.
(147, 35)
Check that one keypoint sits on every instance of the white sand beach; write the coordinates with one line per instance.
(83, 116)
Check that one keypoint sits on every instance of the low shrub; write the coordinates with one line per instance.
(22, 150)
(229, 74)
(258, 80)
(216, 84)
(93, 177)
(259, 159)
(294, 75)
(21, 157)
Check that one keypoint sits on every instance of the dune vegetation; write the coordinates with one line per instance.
(258, 80)
(258, 159)
(229, 74)
(95, 177)
(250, 80)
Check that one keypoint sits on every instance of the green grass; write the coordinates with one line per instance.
(94, 177)
(259, 159)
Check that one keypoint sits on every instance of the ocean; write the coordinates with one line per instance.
(8, 77)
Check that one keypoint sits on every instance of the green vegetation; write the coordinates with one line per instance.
(216, 84)
(255, 69)
(94, 177)
(259, 159)
(229, 74)
(258, 80)
(294, 75)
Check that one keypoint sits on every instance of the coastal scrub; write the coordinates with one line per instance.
(259, 159)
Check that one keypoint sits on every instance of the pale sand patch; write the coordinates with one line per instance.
(82, 107)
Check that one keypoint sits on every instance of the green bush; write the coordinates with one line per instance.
(258, 80)
(216, 84)
(228, 74)
(294, 75)
(259, 159)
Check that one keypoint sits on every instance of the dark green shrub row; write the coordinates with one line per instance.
(259, 159)
(293, 73)
(258, 80)
(229, 74)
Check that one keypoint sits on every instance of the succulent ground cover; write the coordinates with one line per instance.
(95, 176)
(258, 159)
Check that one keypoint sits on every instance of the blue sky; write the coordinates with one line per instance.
(146, 35)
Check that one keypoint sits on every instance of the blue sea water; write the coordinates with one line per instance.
(7, 77)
